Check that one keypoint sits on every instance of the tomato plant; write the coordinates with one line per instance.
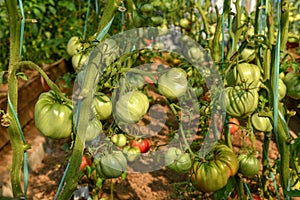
(244, 73)
(93, 130)
(74, 46)
(178, 161)
(261, 123)
(111, 165)
(132, 153)
(119, 140)
(173, 83)
(233, 125)
(292, 82)
(85, 161)
(102, 106)
(132, 106)
(143, 144)
(249, 164)
(239, 101)
(53, 116)
(213, 173)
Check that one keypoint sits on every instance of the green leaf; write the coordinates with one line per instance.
(292, 193)
(224, 193)
(37, 13)
(22, 76)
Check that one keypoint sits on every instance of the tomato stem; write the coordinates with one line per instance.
(13, 131)
(51, 84)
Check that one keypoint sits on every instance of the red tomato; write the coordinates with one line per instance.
(233, 125)
(85, 161)
(142, 144)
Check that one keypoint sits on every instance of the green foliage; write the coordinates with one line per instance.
(48, 27)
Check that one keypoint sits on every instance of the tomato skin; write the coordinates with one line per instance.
(281, 89)
(85, 161)
(213, 174)
(79, 61)
(249, 164)
(292, 82)
(102, 106)
(143, 144)
(238, 101)
(173, 84)
(262, 124)
(74, 46)
(244, 73)
(131, 107)
(248, 54)
(119, 140)
(111, 165)
(52, 116)
(233, 125)
(132, 153)
(178, 161)
(93, 130)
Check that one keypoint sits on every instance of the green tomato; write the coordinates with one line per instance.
(131, 107)
(132, 153)
(93, 130)
(74, 46)
(147, 8)
(178, 161)
(261, 123)
(185, 23)
(111, 165)
(52, 116)
(244, 73)
(102, 106)
(281, 89)
(292, 82)
(137, 20)
(213, 174)
(79, 61)
(249, 164)
(238, 101)
(248, 54)
(119, 140)
(157, 20)
(211, 18)
(173, 84)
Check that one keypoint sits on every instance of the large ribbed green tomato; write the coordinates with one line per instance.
(173, 84)
(103, 106)
(244, 73)
(52, 116)
(292, 82)
(111, 165)
(212, 174)
(249, 164)
(177, 160)
(131, 107)
(238, 101)
(261, 123)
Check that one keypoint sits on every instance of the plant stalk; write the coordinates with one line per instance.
(84, 107)
(13, 131)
